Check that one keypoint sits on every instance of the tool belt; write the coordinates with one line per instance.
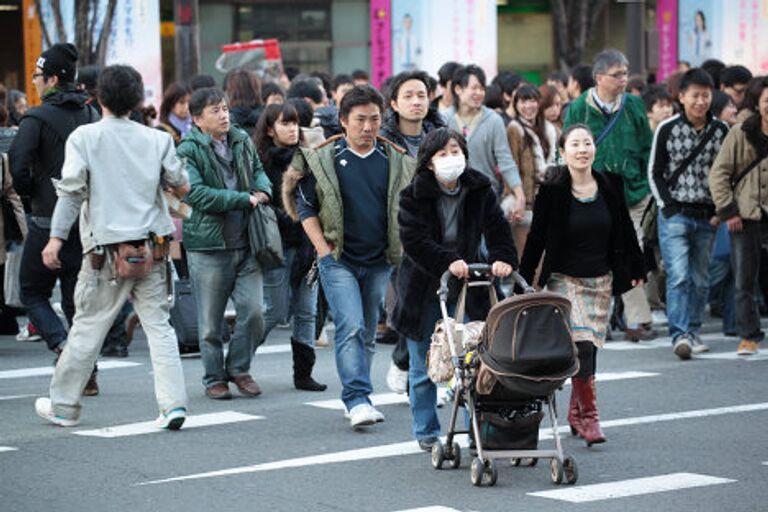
(132, 259)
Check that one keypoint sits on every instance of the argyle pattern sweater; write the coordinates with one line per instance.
(674, 140)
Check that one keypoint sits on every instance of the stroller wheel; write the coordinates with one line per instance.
(491, 472)
(571, 470)
(438, 455)
(532, 462)
(455, 456)
(476, 471)
(556, 471)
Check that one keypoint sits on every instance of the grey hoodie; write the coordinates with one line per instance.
(488, 148)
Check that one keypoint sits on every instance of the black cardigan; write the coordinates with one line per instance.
(550, 219)
(425, 258)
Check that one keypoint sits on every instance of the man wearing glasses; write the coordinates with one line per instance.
(36, 158)
(623, 138)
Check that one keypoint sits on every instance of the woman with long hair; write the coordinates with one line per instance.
(551, 105)
(444, 214)
(243, 89)
(174, 111)
(286, 291)
(533, 141)
(582, 228)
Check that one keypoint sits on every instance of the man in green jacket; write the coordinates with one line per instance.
(623, 138)
(226, 180)
(346, 194)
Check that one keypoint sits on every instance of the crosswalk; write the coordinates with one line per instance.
(631, 487)
(639, 485)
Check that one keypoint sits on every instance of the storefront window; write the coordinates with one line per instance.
(303, 30)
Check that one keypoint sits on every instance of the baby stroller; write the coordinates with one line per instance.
(525, 353)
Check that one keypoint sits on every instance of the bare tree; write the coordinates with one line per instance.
(89, 14)
(574, 21)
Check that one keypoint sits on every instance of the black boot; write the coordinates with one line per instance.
(303, 362)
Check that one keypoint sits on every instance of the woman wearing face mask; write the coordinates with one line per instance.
(444, 212)
(533, 141)
(582, 227)
(286, 292)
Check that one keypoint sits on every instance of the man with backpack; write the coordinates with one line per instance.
(623, 139)
(36, 158)
(684, 148)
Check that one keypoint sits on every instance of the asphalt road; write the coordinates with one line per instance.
(682, 436)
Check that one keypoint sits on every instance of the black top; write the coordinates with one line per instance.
(587, 239)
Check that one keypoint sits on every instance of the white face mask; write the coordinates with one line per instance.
(449, 168)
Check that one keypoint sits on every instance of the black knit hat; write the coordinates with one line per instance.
(60, 60)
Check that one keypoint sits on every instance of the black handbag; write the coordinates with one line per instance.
(264, 236)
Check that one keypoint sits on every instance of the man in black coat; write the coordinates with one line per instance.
(36, 157)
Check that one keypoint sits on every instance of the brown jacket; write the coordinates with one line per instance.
(15, 200)
(751, 194)
(526, 162)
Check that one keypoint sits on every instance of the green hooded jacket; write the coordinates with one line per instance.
(626, 149)
(208, 196)
(319, 162)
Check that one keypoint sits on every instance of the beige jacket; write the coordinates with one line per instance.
(15, 200)
(750, 197)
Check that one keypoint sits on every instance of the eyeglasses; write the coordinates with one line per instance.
(618, 75)
(36, 75)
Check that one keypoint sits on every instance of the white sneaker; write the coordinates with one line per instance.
(659, 317)
(377, 414)
(172, 420)
(698, 346)
(25, 336)
(397, 379)
(682, 347)
(44, 409)
(361, 415)
(444, 396)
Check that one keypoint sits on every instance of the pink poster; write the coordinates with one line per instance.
(666, 25)
(381, 41)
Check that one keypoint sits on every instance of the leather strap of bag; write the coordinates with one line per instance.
(743, 174)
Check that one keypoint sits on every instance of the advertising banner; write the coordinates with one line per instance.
(381, 41)
(666, 27)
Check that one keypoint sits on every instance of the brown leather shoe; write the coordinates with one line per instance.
(247, 385)
(218, 391)
(91, 387)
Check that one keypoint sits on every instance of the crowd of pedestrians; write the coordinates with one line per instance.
(642, 203)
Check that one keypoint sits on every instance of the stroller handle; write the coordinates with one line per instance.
(480, 269)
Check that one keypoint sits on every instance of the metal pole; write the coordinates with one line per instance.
(635, 26)
(187, 50)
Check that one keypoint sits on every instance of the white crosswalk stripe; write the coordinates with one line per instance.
(42, 371)
(15, 397)
(632, 487)
(7, 449)
(410, 447)
(148, 427)
(380, 399)
(430, 509)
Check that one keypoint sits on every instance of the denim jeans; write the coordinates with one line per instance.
(354, 294)
(745, 257)
(722, 291)
(37, 283)
(99, 302)
(216, 276)
(686, 247)
(422, 392)
(281, 301)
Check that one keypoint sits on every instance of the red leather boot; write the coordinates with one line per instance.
(574, 411)
(590, 421)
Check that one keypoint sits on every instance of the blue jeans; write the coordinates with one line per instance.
(354, 294)
(216, 276)
(281, 300)
(722, 291)
(686, 247)
(422, 392)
